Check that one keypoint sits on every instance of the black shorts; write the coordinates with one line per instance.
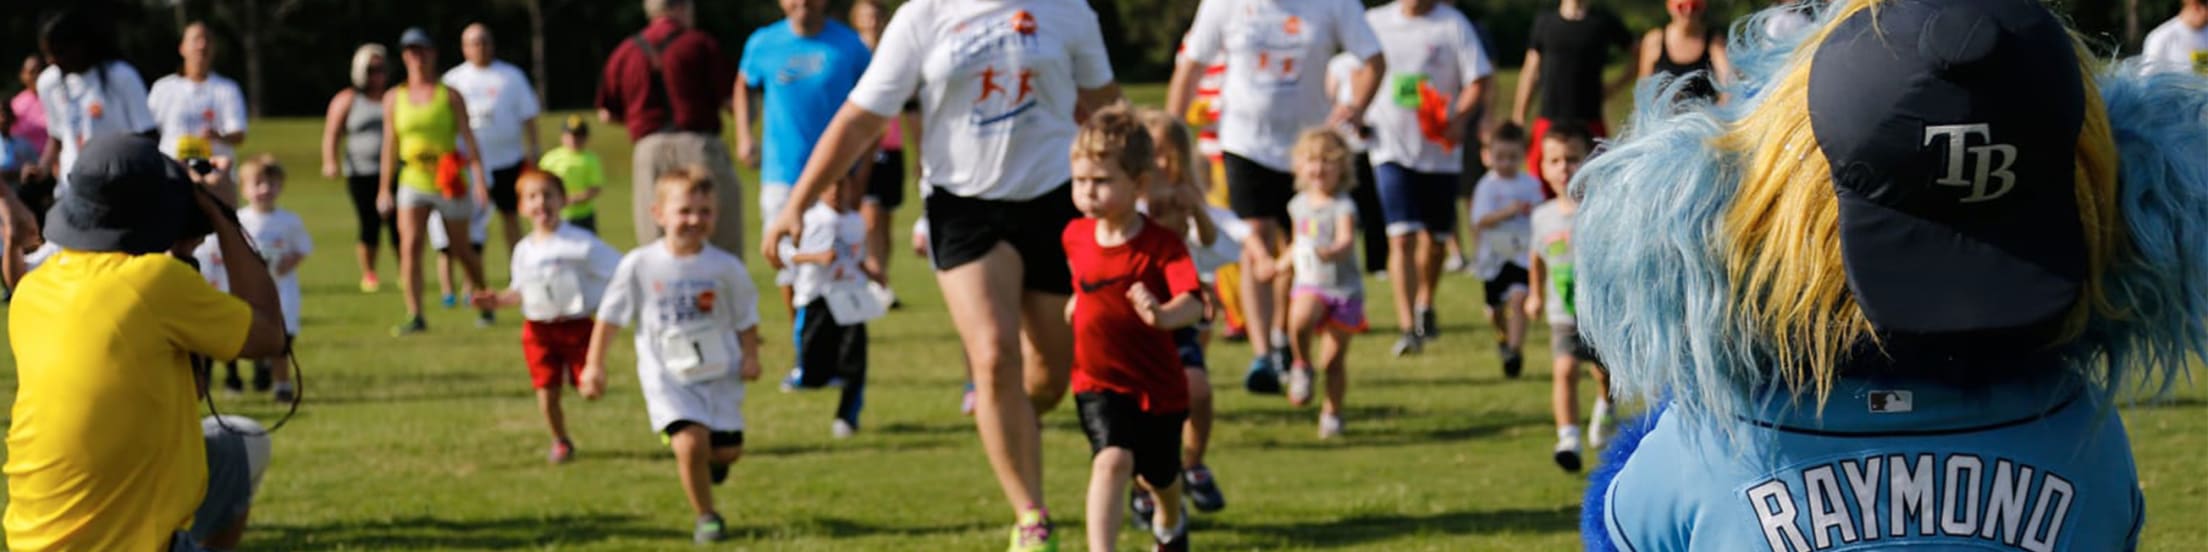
(1256, 191)
(826, 350)
(504, 195)
(886, 186)
(1192, 349)
(962, 229)
(475, 246)
(719, 439)
(1499, 287)
(1116, 420)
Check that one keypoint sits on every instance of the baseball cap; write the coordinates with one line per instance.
(415, 37)
(123, 195)
(576, 125)
(1951, 127)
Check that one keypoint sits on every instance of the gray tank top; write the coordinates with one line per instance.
(363, 136)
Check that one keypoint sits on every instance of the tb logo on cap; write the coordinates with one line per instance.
(1992, 161)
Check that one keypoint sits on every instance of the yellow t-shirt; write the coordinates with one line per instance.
(578, 171)
(105, 450)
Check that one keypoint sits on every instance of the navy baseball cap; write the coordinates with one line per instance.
(415, 37)
(1952, 127)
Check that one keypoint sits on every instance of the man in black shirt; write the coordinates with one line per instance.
(1565, 56)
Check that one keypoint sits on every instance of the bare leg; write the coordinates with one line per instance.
(1046, 342)
(1514, 329)
(693, 447)
(1430, 258)
(444, 269)
(365, 254)
(1108, 475)
(1337, 371)
(548, 402)
(1196, 434)
(1168, 499)
(879, 233)
(413, 222)
(1303, 318)
(1403, 264)
(984, 299)
(1564, 395)
(1257, 294)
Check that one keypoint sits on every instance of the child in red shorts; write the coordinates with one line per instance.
(559, 272)
(1127, 378)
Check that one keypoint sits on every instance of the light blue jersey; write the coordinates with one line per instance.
(2035, 466)
(806, 79)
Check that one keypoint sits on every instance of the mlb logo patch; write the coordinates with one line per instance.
(1892, 401)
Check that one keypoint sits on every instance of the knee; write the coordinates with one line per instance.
(1113, 460)
(1045, 393)
(1199, 389)
(692, 441)
(728, 455)
(995, 367)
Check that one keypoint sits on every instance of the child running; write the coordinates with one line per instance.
(1561, 154)
(1329, 292)
(696, 316)
(283, 242)
(1175, 202)
(829, 282)
(559, 277)
(1127, 380)
(579, 170)
(1501, 205)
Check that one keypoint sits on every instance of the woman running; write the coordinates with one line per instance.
(423, 128)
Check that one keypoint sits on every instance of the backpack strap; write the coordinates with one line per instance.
(658, 89)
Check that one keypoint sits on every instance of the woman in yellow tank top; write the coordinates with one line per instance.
(420, 130)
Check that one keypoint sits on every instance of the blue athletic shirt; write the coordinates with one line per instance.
(806, 78)
(2036, 466)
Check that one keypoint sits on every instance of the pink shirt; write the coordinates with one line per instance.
(30, 120)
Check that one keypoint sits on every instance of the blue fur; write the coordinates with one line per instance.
(1594, 530)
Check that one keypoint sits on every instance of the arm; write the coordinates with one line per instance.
(813, 258)
(14, 219)
(848, 136)
(1529, 78)
(1181, 91)
(1206, 231)
(1366, 84)
(1721, 66)
(386, 197)
(1538, 274)
(747, 151)
(593, 379)
(747, 339)
(1645, 61)
(1070, 302)
(333, 127)
(501, 299)
(1345, 238)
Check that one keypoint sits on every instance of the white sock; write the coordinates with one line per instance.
(1166, 534)
(1567, 432)
(1280, 339)
(1602, 408)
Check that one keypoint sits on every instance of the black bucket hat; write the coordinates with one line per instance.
(123, 195)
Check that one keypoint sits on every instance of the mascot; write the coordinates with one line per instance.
(1891, 293)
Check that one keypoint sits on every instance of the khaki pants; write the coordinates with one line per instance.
(667, 151)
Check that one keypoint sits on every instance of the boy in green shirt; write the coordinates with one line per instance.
(580, 170)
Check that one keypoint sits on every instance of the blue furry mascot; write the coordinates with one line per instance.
(1891, 293)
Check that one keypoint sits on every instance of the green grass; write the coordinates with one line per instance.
(434, 442)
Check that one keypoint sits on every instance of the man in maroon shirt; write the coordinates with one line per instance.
(669, 85)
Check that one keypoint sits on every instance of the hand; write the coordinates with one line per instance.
(484, 300)
(384, 204)
(1533, 306)
(1146, 305)
(747, 152)
(1344, 115)
(1521, 207)
(785, 226)
(1453, 131)
(1262, 269)
(920, 245)
(329, 170)
(592, 382)
(605, 116)
(749, 370)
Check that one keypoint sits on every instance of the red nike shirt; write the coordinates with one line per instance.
(1113, 349)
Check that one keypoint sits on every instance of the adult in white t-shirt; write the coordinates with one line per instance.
(2180, 44)
(502, 110)
(1435, 85)
(1002, 87)
(1276, 52)
(88, 92)
(201, 114)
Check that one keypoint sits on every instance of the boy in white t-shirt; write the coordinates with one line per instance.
(559, 276)
(1501, 207)
(2180, 44)
(827, 270)
(696, 315)
(282, 240)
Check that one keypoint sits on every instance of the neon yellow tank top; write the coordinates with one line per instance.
(425, 133)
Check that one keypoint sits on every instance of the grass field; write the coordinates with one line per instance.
(434, 442)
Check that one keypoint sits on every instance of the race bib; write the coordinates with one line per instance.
(851, 304)
(553, 296)
(194, 147)
(1309, 269)
(695, 352)
(1403, 90)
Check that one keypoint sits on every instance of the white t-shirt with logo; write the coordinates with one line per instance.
(1508, 242)
(708, 298)
(499, 98)
(1438, 52)
(91, 104)
(828, 230)
(1277, 51)
(278, 234)
(186, 109)
(2174, 46)
(997, 82)
(562, 276)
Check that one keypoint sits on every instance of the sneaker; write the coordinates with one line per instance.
(1299, 385)
(1330, 426)
(885, 295)
(1409, 344)
(369, 284)
(1264, 376)
(795, 381)
(1598, 424)
(562, 451)
(842, 429)
(1179, 542)
(1514, 362)
(285, 394)
(410, 327)
(710, 529)
(486, 319)
(1141, 508)
(1455, 263)
(1567, 452)
(1033, 533)
(966, 404)
(449, 301)
(1203, 489)
(1428, 328)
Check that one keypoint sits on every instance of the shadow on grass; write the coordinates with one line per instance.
(1284, 414)
(858, 444)
(430, 532)
(2171, 403)
(849, 528)
(1368, 528)
(1460, 380)
(1397, 435)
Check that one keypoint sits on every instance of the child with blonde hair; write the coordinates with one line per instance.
(1329, 290)
(695, 313)
(282, 239)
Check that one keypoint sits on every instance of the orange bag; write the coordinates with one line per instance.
(452, 175)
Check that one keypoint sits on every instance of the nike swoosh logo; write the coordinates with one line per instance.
(1093, 286)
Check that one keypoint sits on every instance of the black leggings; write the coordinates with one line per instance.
(363, 190)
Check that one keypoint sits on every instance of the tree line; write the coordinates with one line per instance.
(291, 54)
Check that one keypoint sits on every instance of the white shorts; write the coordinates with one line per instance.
(479, 229)
(447, 207)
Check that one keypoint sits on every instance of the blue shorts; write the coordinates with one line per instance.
(1413, 201)
(1192, 352)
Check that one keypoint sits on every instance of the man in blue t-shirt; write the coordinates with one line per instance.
(805, 66)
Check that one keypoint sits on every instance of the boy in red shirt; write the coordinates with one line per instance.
(1127, 378)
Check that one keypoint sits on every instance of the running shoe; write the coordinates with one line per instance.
(1567, 452)
(795, 381)
(486, 319)
(1179, 542)
(1409, 344)
(1514, 362)
(1428, 327)
(1141, 508)
(1033, 533)
(966, 403)
(842, 429)
(1330, 426)
(410, 327)
(450, 301)
(369, 283)
(1455, 263)
(1203, 489)
(709, 530)
(1264, 376)
(285, 394)
(1299, 385)
(562, 451)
